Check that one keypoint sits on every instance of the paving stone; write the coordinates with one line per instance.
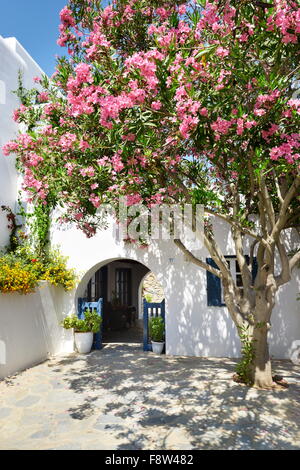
(192, 403)
(5, 412)
(68, 446)
(108, 421)
(41, 434)
(178, 439)
(30, 400)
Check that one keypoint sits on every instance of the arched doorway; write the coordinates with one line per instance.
(122, 284)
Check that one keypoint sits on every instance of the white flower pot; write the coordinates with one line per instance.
(84, 342)
(157, 348)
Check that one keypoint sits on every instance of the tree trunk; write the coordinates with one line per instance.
(261, 371)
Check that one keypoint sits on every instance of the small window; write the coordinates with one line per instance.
(215, 295)
(123, 286)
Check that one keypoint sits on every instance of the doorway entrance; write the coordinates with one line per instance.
(118, 283)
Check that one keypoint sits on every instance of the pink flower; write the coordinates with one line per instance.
(33, 159)
(117, 163)
(66, 17)
(156, 105)
(249, 124)
(294, 103)
(221, 126)
(43, 97)
(67, 141)
(182, 9)
(9, 148)
(222, 52)
(259, 112)
(132, 199)
(129, 137)
(95, 200)
(83, 145)
(204, 112)
(16, 115)
(83, 73)
(240, 126)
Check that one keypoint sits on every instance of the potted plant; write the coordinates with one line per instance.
(84, 329)
(157, 334)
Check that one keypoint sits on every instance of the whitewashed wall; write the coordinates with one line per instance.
(29, 328)
(192, 328)
(13, 58)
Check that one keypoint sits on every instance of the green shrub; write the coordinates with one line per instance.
(22, 270)
(91, 322)
(157, 329)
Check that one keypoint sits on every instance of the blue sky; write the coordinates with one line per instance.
(35, 24)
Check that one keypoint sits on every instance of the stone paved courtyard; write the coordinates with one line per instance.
(122, 398)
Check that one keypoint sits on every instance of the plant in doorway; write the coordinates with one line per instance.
(157, 334)
(84, 329)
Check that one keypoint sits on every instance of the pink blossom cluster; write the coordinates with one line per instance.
(32, 159)
(209, 18)
(295, 104)
(89, 171)
(43, 97)
(66, 17)
(222, 52)
(271, 131)
(70, 168)
(264, 102)
(80, 102)
(96, 40)
(221, 127)
(163, 13)
(132, 199)
(287, 149)
(18, 112)
(286, 19)
(145, 62)
(48, 130)
(95, 200)
(10, 147)
(187, 110)
(117, 163)
(67, 141)
(31, 183)
(83, 74)
(108, 15)
(243, 123)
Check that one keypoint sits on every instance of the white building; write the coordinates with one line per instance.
(197, 322)
(13, 58)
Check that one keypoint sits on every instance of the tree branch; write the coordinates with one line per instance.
(295, 260)
(195, 260)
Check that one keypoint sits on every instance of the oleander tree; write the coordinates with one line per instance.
(179, 102)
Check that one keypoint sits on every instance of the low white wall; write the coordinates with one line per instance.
(29, 328)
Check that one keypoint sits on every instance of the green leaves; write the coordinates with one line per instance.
(91, 322)
(157, 329)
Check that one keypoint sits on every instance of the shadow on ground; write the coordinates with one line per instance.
(162, 402)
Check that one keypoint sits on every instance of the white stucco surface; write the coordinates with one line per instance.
(29, 328)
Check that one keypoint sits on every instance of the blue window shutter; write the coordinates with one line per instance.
(214, 296)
